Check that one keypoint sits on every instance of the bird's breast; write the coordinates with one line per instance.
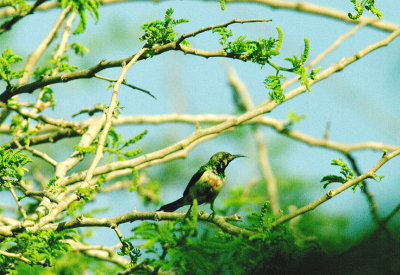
(211, 180)
(206, 188)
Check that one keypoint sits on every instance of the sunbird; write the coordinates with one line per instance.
(205, 184)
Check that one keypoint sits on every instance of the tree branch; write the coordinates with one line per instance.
(220, 221)
(6, 26)
(322, 11)
(330, 194)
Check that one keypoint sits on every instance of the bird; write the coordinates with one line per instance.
(205, 184)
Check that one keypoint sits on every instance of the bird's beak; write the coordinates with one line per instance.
(239, 156)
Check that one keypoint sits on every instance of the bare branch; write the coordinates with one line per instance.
(100, 252)
(279, 126)
(17, 256)
(20, 208)
(41, 155)
(126, 84)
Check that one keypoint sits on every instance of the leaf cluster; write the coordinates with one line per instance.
(346, 174)
(6, 60)
(20, 127)
(261, 52)
(41, 248)
(255, 51)
(161, 32)
(222, 4)
(52, 186)
(128, 249)
(179, 247)
(162, 239)
(273, 83)
(294, 118)
(81, 6)
(11, 165)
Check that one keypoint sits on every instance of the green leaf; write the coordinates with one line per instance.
(6, 60)
(81, 6)
(294, 118)
(11, 165)
(273, 83)
(222, 4)
(79, 49)
(345, 171)
(360, 6)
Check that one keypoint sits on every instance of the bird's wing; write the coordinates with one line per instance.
(194, 179)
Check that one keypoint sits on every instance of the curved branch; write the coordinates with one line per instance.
(279, 126)
(323, 11)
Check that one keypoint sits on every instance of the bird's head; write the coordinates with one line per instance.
(221, 160)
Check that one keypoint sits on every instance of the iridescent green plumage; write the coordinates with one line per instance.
(205, 184)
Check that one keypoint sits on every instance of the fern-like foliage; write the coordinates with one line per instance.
(7, 59)
(81, 6)
(175, 245)
(360, 6)
(346, 174)
(41, 248)
(261, 52)
(161, 32)
(12, 164)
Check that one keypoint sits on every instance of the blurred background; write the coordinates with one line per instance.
(360, 103)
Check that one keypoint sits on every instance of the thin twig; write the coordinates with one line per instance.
(209, 28)
(20, 208)
(126, 84)
(391, 214)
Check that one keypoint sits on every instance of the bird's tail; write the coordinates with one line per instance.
(171, 207)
